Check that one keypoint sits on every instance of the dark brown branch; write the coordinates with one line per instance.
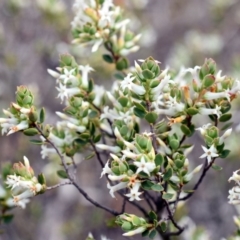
(72, 179)
(97, 154)
(205, 169)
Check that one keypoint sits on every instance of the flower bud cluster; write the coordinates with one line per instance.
(99, 21)
(132, 224)
(21, 114)
(24, 184)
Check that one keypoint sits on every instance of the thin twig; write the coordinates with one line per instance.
(97, 154)
(72, 179)
(59, 185)
(205, 169)
(180, 229)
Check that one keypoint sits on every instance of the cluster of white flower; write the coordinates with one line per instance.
(97, 22)
(234, 193)
(23, 184)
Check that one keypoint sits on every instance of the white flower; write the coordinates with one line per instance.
(106, 169)
(235, 177)
(127, 153)
(65, 92)
(210, 111)
(21, 203)
(53, 73)
(203, 128)
(234, 195)
(114, 149)
(134, 192)
(128, 83)
(117, 187)
(68, 76)
(225, 135)
(85, 70)
(45, 152)
(136, 231)
(209, 153)
(217, 95)
(80, 129)
(144, 166)
(21, 126)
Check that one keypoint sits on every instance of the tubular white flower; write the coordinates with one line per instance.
(53, 73)
(225, 135)
(85, 70)
(128, 83)
(134, 192)
(68, 76)
(21, 203)
(59, 142)
(21, 126)
(80, 129)
(217, 95)
(117, 178)
(136, 231)
(45, 152)
(190, 175)
(65, 92)
(204, 128)
(234, 195)
(66, 117)
(117, 187)
(106, 169)
(113, 149)
(159, 88)
(209, 153)
(235, 177)
(127, 153)
(210, 111)
(144, 166)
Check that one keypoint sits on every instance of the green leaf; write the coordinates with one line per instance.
(93, 114)
(159, 159)
(62, 174)
(147, 74)
(30, 132)
(140, 106)
(168, 174)
(152, 215)
(208, 81)
(179, 164)
(7, 218)
(42, 115)
(145, 233)
(123, 101)
(126, 226)
(216, 167)
(174, 144)
(122, 64)
(163, 226)
(151, 117)
(107, 58)
(226, 126)
(91, 155)
(139, 113)
(136, 221)
(157, 188)
(119, 76)
(224, 153)
(36, 142)
(147, 185)
(152, 234)
(97, 138)
(225, 117)
(167, 196)
(192, 111)
(185, 130)
(41, 179)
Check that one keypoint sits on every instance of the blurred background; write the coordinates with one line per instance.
(177, 33)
